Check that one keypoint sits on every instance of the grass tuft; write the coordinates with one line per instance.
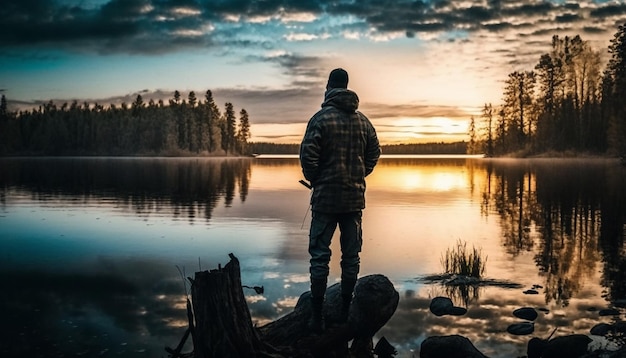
(458, 260)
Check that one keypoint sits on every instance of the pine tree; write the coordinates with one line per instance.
(228, 128)
(244, 131)
(3, 108)
(213, 118)
(616, 73)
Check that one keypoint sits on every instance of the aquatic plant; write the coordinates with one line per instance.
(458, 260)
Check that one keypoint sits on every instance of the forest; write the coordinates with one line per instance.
(567, 103)
(183, 127)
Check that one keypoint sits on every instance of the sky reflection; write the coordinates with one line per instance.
(96, 260)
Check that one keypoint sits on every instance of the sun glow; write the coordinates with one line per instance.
(409, 179)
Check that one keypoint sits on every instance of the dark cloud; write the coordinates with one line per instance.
(153, 27)
(567, 18)
(609, 10)
(593, 29)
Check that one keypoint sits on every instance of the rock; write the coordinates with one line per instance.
(520, 329)
(531, 292)
(440, 306)
(536, 347)
(574, 345)
(620, 327)
(384, 349)
(457, 311)
(601, 329)
(609, 312)
(454, 346)
(527, 313)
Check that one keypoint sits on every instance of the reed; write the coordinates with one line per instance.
(459, 260)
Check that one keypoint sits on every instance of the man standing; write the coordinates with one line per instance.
(339, 149)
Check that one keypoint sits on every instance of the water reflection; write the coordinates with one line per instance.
(569, 213)
(89, 245)
(188, 187)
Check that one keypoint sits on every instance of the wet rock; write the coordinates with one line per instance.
(457, 311)
(536, 347)
(454, 346)
(620, 303)
(384, 349)
(531, 292)
(601, 329)
(440, 306)
(609, 312)
(620, 327)
(527, 313)
(520, 329)
(574, 345)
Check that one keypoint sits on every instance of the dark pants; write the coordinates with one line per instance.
(323, 226)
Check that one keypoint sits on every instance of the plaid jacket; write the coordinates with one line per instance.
(339, 149)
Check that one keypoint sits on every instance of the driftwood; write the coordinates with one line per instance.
(375, 301)
(221, 326)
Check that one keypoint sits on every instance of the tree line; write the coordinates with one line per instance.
(566, 103)
(406, 148)
(188, 126)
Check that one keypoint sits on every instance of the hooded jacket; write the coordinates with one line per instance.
(339, 149)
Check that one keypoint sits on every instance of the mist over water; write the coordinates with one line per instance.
(91, 248)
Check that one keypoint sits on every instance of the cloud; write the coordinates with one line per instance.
(153, 27)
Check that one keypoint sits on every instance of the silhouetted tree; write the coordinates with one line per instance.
(615, 88)
(243, 134)
(3, 107)
(213, 117)
(183, 127)
(228, 128)
(487, 116)
(518, 102)
(137, 105)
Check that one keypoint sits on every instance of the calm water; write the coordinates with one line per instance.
(91, 248)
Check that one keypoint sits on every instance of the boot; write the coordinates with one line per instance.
(347, 287)
(318, 290)
(317, 324)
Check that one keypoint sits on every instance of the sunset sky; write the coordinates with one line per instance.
(420, 68)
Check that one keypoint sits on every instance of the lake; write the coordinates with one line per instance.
(93, 250)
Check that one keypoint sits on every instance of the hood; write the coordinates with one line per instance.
(342, 99)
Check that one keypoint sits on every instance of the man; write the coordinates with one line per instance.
(339, 149)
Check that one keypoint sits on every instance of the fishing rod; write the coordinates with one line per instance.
(308, 186)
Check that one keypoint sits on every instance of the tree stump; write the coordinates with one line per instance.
(222, 326)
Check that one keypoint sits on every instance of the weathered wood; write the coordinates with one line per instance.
(222, 326)
(374, 303)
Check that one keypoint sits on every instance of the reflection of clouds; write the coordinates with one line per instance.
(484, 324)
(411, 218)
(135, 302)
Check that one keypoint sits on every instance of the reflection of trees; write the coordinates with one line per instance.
(509, 192)
(613, 234)
(179, 187)
(564, 212)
